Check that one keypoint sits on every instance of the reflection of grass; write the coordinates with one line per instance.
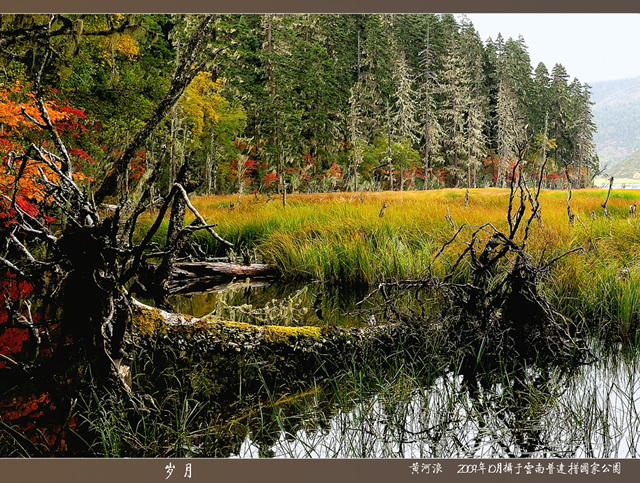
(407, 406)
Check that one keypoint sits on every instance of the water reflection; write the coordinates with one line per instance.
(592, 413)
(318, 304)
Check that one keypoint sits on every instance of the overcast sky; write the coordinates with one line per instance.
(592, 47)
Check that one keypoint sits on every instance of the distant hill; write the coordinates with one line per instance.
(628, 167)
(616, 114)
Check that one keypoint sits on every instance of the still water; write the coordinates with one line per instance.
(594, 412)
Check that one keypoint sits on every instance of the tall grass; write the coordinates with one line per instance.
(339, 238)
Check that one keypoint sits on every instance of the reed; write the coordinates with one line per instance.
(341, 239)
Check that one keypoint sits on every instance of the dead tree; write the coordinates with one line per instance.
(604, 205)
(489, 300)
(79, 271)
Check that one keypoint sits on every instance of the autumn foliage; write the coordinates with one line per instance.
(21, 177)
(25, 181)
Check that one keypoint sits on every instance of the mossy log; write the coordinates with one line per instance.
(225, 358)
(227, 336)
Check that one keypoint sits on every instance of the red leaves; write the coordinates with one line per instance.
(138, 166)
(23, 180)
(82, 155)
(25, 412)
(11, 291)
(72, 110)
(335, 171)
(269, 179)
(31, 407)
(26, 206)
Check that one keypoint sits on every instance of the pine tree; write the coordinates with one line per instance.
(355, 131)
(455, 93)
(405, 109)
(559, 117)
(432, 130)
(582, 130)
(477, 101)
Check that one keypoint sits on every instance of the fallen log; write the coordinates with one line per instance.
(197, 276)
(235, 357)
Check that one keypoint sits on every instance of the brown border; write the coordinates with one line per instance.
(322, 6)
(280, 471)
(320, 471)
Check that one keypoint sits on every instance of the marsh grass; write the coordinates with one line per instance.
(407, 403)
(335, 238)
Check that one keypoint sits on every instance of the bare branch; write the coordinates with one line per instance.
(199, 216)
(554, 260)
(604, 205)
(12, 267)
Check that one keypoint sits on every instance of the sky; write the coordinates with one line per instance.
(592, 47)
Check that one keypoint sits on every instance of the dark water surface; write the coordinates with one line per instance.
(592, 413)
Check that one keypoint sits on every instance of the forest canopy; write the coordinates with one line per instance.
(310, 102)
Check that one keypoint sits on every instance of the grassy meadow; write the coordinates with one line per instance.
(374, 406)
(341, 239)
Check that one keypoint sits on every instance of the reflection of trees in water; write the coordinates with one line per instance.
(590, 413)
(326, 305)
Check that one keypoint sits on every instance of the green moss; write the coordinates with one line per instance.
(277, 334)
(148, 322)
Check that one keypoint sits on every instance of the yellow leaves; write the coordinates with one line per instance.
(127, 47)
(119, 43)
(201, 102)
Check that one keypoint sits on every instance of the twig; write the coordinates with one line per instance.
(554, 260)
(604, 205)
(199, 217)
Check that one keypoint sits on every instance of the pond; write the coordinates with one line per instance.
(301, 303)
(592, 412)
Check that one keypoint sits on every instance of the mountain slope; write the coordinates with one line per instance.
(628, 167)
(617, 116)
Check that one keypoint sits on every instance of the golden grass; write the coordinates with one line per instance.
(340, 238)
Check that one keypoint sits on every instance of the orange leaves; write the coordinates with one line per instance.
(31, 407)
(30, 184)
(13, 100)
(25, 179)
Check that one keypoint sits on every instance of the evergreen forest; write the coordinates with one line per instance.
(311, 103)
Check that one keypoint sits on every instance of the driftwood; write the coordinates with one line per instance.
(238, 356)
(198, 276)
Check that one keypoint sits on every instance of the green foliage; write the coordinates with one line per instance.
(302, 96)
